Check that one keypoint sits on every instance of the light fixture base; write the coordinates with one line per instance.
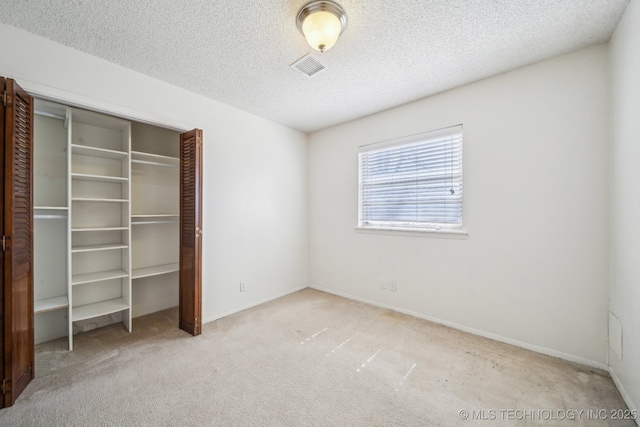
(321, 6)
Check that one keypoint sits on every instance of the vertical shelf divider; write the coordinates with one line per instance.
(69, 125)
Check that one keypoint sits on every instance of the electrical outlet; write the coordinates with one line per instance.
(392, 285)
(243, 286)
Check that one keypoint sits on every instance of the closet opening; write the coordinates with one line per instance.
(108, 203)
(102, 223)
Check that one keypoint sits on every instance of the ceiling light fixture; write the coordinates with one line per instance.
(321, 23)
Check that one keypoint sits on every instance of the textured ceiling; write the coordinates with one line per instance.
(392, 52)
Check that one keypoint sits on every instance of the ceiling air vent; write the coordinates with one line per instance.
(308, 65)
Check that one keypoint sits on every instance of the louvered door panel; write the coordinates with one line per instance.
(18, 232)
(191, 231)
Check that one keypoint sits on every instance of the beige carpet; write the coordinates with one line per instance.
(308, 359)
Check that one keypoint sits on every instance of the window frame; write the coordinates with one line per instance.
(409, 227)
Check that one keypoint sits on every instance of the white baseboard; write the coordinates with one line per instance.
(252, 304)
(511, 341)
(625, 395)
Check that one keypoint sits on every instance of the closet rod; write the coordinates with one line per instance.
(46, 114)
(50, 216)
(146, 162)
(153, 222)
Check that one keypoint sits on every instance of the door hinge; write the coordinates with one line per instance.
(6, 386)
(5, 243)
(4, 98)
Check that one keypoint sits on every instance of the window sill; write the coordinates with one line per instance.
(415, 232)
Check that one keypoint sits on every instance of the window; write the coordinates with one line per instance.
(413, 182)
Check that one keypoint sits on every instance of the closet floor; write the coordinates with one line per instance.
(104, 342)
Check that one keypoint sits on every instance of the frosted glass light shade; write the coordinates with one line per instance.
(321, 29)
(321, 22)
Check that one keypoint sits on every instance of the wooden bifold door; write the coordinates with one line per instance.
(17, 292)
(17, 241)
(191, 231)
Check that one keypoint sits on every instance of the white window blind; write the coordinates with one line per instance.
(413, 182)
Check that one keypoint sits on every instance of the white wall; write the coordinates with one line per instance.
(625, 202)
(255, 171)
(533, 269)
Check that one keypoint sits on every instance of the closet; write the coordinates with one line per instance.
(102, 222)
(106, 220)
